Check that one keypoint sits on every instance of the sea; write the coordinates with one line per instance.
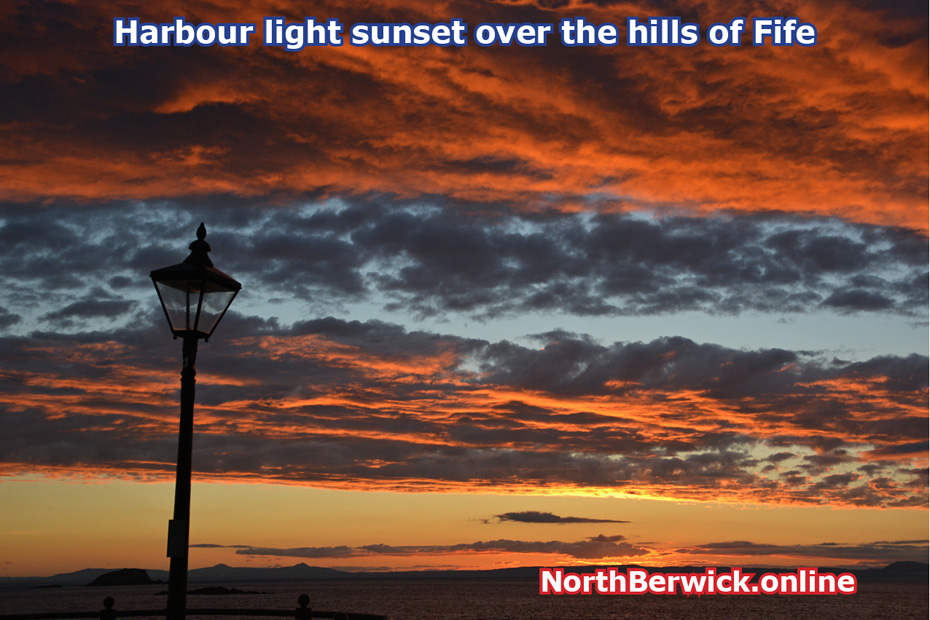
(483, 599)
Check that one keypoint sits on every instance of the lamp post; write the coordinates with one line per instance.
(195, 296)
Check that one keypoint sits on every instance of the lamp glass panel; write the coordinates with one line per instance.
(214, 305)
(177, 297)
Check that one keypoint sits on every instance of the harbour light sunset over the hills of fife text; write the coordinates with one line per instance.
(501, 305)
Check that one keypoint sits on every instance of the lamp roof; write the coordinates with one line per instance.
(196, 267)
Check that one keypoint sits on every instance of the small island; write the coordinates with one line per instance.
(124, 577)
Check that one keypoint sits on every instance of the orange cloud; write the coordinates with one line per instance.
(835, 129)
(368, 406)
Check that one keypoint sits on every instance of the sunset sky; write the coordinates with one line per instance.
(501, 306)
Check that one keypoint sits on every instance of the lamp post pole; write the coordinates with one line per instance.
(195, 296)
(179, 527)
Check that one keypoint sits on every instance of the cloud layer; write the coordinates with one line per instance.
(371, 405)
(838, 129)
(534, 516)
(590, 549)
(81, 268)
(604, 548)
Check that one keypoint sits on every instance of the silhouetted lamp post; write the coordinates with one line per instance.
(195, 296)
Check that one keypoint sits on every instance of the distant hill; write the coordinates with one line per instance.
(298, 572)
(897, 571)
(916, 572)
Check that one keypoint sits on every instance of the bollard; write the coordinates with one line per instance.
(108, 613)
(303, 612)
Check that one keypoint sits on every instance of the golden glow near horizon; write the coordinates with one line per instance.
(57, 526)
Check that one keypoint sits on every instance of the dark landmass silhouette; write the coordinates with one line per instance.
(124, 577)
(298, 572)
(912, 572)
(896, 571)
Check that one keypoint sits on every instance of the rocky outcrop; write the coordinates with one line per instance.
(124, 577)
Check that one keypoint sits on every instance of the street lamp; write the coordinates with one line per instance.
(195, 296)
